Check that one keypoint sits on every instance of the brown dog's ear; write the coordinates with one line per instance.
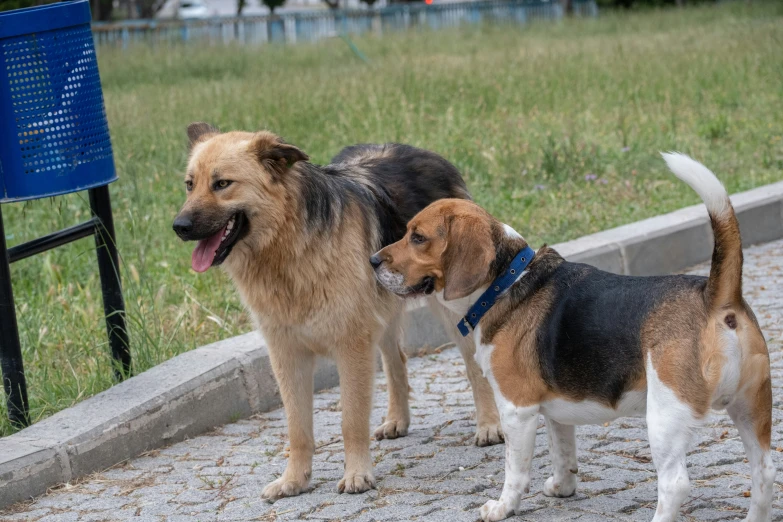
(467, 257)
(199, 130)
(275, 154)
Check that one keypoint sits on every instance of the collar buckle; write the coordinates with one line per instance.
(464, 326)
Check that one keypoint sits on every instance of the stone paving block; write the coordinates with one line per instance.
(644, 514)
(590, 517)
(63, 500)
(245, 510)
(630, 476)
(451, 515)
(335, 511)
(145, 463)
(195, 496)
(555, 514)
(310, 502)
(601, 487)
(710, 459)
(119, 515)
(140, 518)
(200, 517)
(399, 512)
(60, 517)
(158, 489)
(158, 510)
(100, 516)
(709, 514)
(103, 503)
(605, 504)
(423, 450)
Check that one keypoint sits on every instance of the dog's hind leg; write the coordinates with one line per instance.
(293, 366)
(670, 426)
(562, 451)
(488, 428)
(356, 367)
(398, 414)
(751, 413)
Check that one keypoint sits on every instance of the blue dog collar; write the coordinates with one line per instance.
(498, 286)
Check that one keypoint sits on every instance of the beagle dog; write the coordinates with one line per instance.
(583, 346)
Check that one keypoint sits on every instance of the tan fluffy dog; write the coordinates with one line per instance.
(295, 238)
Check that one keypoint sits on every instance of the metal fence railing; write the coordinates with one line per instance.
(316, 25)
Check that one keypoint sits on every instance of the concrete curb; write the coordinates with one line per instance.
(232, 379)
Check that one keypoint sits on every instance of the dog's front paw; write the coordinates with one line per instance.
(391, 429)
(356, 482)
(489, 434)
(564, 488)
(495, 510)
(283, 487)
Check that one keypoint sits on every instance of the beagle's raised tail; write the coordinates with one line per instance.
(724, 288)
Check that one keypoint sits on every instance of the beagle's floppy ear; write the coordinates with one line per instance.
(275, 154)
(467, 258)
(199, 131)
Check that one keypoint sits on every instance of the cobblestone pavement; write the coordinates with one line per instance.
(435, 473)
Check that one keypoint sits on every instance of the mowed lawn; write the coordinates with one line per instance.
(556, 127)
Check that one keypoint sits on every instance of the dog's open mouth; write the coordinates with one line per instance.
(214, 250)
(425, 287)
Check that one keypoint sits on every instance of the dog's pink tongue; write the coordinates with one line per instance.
(204, 253)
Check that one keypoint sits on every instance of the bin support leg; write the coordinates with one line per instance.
(109, 267)
(10, 349)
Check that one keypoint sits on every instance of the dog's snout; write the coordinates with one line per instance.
(183, 225)
(376, 261)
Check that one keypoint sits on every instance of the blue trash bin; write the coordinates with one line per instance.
(54, 139)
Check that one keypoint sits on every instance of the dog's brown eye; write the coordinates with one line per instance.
(417, 238)
(189, 185)
(223, 183)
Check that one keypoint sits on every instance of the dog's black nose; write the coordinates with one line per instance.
(376, 261)
(182, 225)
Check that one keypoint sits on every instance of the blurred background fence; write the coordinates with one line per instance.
(316, 25)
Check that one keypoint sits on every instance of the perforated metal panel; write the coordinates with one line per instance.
(55, 135)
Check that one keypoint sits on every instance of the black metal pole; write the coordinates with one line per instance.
(111, 286)
(48, 242)
(10, 349)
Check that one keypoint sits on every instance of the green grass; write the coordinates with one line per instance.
(556, 128)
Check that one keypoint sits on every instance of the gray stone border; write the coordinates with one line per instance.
(232, 379)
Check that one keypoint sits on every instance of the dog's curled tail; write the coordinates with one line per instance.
(724, 287)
